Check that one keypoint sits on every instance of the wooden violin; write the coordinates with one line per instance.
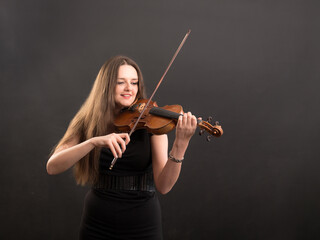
(158, 120)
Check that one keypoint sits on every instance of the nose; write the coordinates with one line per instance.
(128, 87)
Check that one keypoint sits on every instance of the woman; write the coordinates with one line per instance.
(122, 203)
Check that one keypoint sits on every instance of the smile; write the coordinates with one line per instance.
(126, 95)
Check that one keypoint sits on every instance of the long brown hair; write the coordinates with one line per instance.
(96, 115)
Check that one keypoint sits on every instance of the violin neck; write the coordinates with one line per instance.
(166, 113)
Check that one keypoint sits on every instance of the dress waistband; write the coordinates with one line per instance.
(142, 182)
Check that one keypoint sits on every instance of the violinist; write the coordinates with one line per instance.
(122, 202)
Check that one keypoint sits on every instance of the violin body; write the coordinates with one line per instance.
(153, 123)
(157, 120)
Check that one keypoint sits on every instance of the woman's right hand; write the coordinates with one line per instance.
(68, 154)
(116, 142)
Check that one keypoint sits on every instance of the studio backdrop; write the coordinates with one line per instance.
(251, 65)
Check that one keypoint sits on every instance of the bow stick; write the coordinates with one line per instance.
(147, 104)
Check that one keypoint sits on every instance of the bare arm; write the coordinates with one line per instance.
(68, 154)
(167, 172)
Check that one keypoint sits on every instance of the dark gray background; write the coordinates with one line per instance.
(253, 65)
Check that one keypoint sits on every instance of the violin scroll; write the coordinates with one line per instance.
(215, 130)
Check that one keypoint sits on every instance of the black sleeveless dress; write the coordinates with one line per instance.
(123, 204)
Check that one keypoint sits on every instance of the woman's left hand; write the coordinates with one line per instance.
(186, 126)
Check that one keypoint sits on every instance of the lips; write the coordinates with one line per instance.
(126, 96)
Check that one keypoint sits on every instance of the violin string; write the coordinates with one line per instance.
(164, 74)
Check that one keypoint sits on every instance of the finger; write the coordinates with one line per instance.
(114, 153)
(179, 121)
(194, 121)
(121, 143)
(126, 137)
(185, 119)
(117, 147)
(189, 121)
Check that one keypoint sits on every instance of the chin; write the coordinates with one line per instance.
(126, 104)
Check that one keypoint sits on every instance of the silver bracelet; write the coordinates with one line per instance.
(174, 159)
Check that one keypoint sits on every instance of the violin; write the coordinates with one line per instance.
(158, 120)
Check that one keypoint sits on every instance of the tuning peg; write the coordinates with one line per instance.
(208, 138)
(209, 119)
(201, 132)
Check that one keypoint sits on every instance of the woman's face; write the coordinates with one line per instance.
(126, 86)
